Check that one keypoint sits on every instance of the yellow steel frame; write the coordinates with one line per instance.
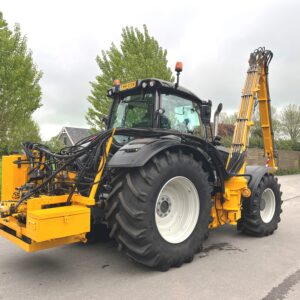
(228, 209)
(38, 214)
(266, 119)
(33, 247)
(15, 175)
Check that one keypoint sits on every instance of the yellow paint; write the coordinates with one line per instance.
(100, 169)
(58, 222)
(266, 119)
(128, 85)
(50, 221)
(256, 87)
(229, 211)
(13, 176)
(42, 245)
(246, 192)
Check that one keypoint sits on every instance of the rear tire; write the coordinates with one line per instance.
(261, 214)
(159, 213)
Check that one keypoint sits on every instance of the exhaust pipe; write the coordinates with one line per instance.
(216, 118)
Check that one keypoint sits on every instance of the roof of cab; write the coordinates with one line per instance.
(165, 85)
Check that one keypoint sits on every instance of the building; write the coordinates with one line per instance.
(69, 136)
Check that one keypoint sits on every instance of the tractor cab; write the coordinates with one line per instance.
(154, 103)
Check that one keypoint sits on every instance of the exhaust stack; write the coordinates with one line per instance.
(216, 118)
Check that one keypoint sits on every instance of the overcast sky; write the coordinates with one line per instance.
(212, 38)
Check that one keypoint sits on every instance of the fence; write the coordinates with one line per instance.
(287, 159)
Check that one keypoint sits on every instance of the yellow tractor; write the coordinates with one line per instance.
(156, 180)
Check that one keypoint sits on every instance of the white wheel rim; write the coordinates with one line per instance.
(267, 205)
(177, 209)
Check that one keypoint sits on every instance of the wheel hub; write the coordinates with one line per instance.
(267, 205)
(262, 204)
(163, 207)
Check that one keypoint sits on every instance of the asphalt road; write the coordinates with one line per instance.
(232, 266)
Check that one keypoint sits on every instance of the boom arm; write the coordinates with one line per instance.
(256, 91)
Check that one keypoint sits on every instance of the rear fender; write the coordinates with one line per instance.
(257, 173)
(140, 151)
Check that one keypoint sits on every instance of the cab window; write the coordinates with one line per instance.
(181, 114)
(133, 111)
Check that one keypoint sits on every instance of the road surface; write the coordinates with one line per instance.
(232, 266)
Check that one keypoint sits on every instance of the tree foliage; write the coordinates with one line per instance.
(226, 118)
(139, 56)
(54, 144)
(20, 92)
(256, 139)
(29, 131)
(290, 121)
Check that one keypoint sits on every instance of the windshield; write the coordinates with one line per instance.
(133, 111)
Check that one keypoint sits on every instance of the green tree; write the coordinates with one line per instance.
(54, 144)
(29, 131)
(20, 92)
(226, 118)
(275, 123)
(256, 139)
(139, 56)
(290, 121)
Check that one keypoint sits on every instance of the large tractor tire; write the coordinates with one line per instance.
(159, 213)
(261, 214)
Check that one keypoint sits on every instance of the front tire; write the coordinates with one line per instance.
(261, 214)
(159, 213)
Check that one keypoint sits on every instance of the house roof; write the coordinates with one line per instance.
(75, 134)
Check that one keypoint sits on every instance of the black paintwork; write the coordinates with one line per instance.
(139, 151)
(160, 85)
(257, 173)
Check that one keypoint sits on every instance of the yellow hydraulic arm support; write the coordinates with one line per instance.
(256, 91)
(227, 207)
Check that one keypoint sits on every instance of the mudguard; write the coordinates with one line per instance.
(257, 173)
(139, 151)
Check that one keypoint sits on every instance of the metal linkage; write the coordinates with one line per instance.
(258, 62)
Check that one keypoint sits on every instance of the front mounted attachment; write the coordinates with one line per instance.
(39, 212)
